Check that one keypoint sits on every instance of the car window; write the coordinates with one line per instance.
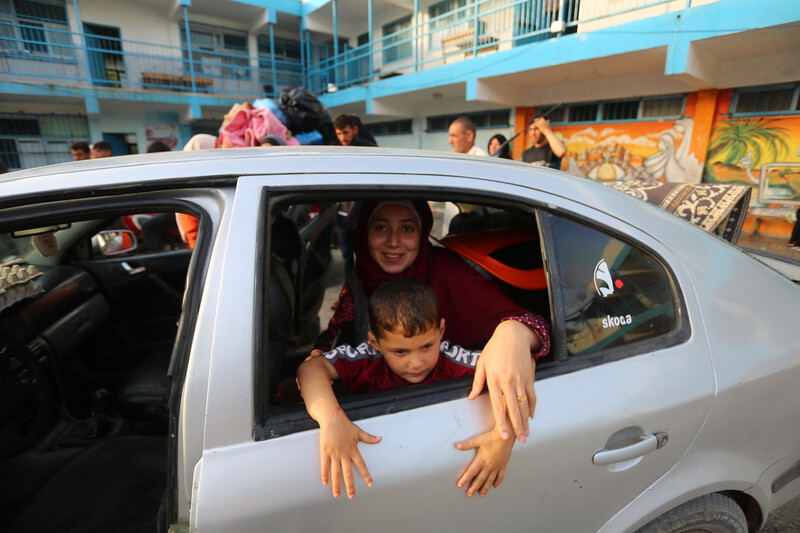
(146, 233)
(306, 240)
(613, 292)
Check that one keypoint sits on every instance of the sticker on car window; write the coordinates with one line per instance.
(603, 283)
(614, 321)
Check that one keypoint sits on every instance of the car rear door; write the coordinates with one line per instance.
(638, 400)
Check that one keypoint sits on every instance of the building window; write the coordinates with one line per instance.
(397, 40)
(640, 109)
(582, 112)
(665, 107)
(394, 127)
(36, 30)
(766, 100)
(287, 64)
(624, 110)
(29, 140)
(216, 52)
(483, 119)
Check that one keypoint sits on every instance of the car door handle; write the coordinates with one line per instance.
(131, 270)
(643, 447)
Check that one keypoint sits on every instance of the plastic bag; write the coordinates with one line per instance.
(304, 111)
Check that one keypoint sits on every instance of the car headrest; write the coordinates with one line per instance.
(510, 254)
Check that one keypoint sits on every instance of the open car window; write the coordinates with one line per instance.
(504, 243)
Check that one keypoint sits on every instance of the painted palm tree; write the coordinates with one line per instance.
(735, 138)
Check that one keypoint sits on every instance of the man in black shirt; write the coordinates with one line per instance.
(546, 149)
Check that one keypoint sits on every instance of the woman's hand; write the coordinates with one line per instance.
(506, 366)
(338, 444)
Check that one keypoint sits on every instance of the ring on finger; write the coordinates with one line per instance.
(522, 398)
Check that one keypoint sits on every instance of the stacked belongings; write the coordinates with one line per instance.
(299, 119)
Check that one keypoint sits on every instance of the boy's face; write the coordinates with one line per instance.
(411, 358)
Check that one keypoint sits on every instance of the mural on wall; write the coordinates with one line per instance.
(746, 150)
(631, 150)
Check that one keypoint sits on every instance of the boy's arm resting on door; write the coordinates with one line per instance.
(338, 437)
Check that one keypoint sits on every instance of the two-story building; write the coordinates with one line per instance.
(685, 90)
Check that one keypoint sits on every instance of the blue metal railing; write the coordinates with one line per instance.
(483, 26)
(40, 54)
(58, 57)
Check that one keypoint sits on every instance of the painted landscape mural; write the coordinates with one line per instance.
(616, 151)
(706, 144)
(745, 150)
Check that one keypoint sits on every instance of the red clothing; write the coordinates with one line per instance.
(471, 305)
(363, 368)
(187, 225)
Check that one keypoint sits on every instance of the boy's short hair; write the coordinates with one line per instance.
(102, 145)
(403, 305)
(80, 146)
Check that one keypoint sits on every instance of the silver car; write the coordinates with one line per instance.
(145, 383)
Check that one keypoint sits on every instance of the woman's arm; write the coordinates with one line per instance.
(507, 368)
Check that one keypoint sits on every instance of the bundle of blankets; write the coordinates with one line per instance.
(298, 118)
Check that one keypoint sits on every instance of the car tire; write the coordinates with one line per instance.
(712, 513)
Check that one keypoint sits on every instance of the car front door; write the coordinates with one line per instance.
(628, 390)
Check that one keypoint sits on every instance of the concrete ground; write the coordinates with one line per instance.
(769, 244)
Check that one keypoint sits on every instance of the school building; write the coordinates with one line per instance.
(680, 90)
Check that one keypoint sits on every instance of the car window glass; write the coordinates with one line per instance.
(614, 293)
(149, 233)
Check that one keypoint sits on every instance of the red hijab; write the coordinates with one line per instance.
(368, 271)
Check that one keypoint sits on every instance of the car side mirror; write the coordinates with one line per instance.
(114, 242)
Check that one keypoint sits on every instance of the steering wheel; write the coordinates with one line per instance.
(25, 399)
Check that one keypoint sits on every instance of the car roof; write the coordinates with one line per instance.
(207, 167)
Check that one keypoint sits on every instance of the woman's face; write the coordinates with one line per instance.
(494, 145)
(393, 238)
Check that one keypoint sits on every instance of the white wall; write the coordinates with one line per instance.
(136, 122)
(136, 21)
(419, 139)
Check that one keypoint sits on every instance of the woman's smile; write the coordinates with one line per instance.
(393, 235)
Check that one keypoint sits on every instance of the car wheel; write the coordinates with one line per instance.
(711, 513)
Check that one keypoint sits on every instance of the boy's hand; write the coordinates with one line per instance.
(488, 467)
(338, 443)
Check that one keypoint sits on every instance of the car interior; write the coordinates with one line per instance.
(84, 355)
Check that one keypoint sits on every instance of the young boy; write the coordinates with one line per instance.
(405, 347)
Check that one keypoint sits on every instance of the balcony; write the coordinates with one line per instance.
(482, 27)
(46, 56)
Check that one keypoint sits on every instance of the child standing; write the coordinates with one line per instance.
(404, 347)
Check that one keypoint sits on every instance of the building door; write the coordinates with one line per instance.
(122, 143)
(104, 52)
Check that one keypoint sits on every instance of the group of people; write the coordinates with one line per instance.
(388, 331)
(546, 149)
(81, 150)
